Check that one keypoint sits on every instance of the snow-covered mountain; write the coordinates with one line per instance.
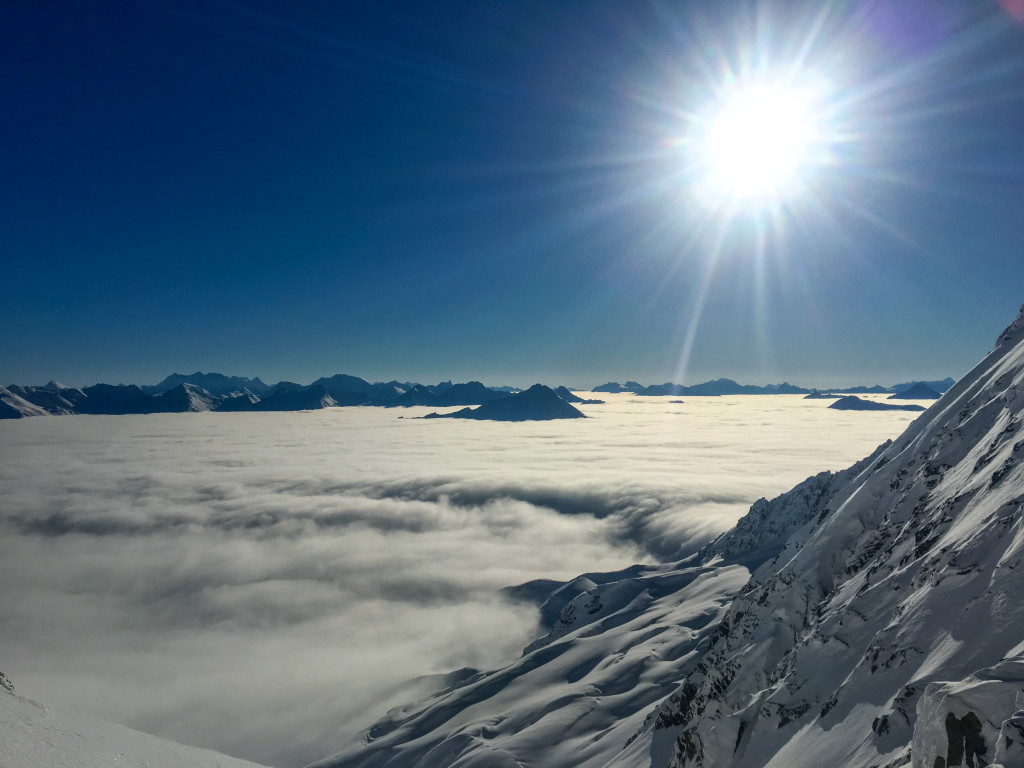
(186, 398)
(842, 645)
(32, 736)
(15, 406)
(882, 625)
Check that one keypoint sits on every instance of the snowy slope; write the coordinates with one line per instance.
(884, 613)
(839, 646)
(32, 736)
(575, 697)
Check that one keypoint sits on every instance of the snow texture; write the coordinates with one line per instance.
(33, 736)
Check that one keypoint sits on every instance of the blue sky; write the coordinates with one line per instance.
(496, 191)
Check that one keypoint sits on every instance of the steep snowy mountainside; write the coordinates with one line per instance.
(909, 577)
(769, 523)
(32, 736)
(620, 644)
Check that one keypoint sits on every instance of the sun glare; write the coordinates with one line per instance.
(758, 142)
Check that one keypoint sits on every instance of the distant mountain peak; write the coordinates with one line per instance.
(918, 391)
(538, 403)
(854, 403)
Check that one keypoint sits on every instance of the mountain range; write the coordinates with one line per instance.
(216, 392)
(870, 618)
(718, 387)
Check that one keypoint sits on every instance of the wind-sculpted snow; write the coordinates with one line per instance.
(577, 695)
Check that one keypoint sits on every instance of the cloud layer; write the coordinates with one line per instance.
(268, 584)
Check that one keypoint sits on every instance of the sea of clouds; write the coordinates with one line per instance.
(268, 584)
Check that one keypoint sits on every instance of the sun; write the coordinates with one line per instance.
(758, 142)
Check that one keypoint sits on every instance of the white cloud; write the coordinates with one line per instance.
(264, 584)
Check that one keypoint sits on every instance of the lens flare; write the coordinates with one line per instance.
(759, 141)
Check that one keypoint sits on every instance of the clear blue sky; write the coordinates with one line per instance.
(493, 190)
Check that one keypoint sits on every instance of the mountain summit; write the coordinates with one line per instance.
(538, 403)
(868, 618)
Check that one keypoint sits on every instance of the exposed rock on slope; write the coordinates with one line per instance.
(956, 725)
